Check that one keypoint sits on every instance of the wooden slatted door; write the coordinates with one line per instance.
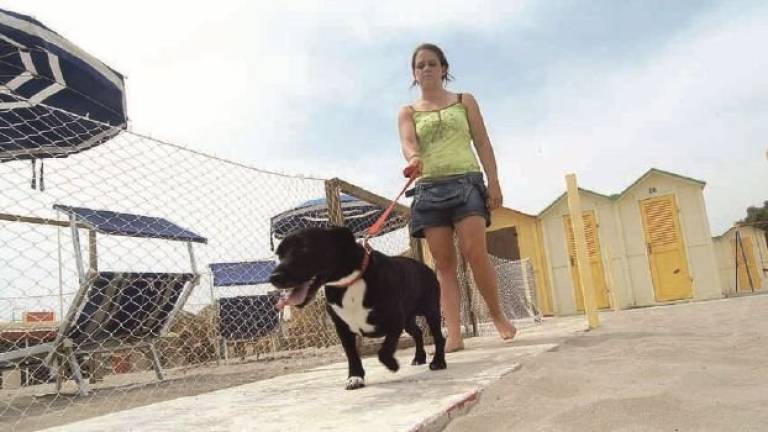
(749, 278)
(595, 261)
(666, 251)
(503, 243)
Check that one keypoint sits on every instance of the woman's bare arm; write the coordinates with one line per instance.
(484, 149)
(409, 143)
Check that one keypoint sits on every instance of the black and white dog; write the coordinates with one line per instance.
(368, 293)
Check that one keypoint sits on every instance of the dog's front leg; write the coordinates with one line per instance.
(418, 338)
(356, 377)
(387, 351)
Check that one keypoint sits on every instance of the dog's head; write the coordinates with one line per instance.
(311, 257)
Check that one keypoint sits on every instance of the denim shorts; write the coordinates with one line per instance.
(447, 200)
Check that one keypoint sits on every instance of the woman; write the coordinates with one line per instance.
(435, 135)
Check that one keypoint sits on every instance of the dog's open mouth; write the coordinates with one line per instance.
(295, 296)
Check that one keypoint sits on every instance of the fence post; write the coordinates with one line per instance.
(336, 218)
(582, 260)
(333, 197)
(524, 273)
(736, 258)
(526, 286)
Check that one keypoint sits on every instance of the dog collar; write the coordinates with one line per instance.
(363, 268)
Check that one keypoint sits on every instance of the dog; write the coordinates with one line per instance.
(368, 294)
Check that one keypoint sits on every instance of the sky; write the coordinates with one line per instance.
(602, 89)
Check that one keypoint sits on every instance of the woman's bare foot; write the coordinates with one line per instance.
(453, 346)
(506, 329)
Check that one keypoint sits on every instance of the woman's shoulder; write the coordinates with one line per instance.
(414, 106)
(467, 97)
(405, 111)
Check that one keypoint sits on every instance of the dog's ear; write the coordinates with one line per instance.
(342, 233)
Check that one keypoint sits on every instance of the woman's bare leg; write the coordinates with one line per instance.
(471, 233)
(440, 241)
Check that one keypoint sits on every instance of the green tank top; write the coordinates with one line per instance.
(445, 141)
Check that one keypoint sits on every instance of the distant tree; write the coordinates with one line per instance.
(757, 216)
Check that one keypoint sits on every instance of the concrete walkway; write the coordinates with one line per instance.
(699, 366)
(689, 367)
(414, 399)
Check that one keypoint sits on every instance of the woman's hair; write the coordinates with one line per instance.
(440, 56)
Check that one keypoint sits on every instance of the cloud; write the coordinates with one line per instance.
(313, 87)
(695, 106)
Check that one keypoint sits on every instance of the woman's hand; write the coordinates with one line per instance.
(413, 169)
(495, 200)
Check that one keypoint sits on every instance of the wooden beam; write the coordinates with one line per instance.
(582, 258)
(37, 220)
(370, 197)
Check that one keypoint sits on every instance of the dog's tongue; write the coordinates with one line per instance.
(294, 297)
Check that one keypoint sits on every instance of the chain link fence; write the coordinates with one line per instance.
(137, 270)
(517, 294)
(109, 295)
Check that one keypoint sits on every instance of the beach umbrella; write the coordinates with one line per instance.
(358, 216)
(55, 99)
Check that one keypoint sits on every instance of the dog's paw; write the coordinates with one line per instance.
(390, 362)
(437, 364)
(354, 383)
(419, 359)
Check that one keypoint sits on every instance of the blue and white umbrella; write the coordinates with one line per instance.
(55, 99)
(358, 216)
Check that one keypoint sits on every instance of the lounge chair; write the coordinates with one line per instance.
(113, 311)
(244, 318)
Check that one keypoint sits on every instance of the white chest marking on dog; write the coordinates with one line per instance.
(352, 310)
(346, 279)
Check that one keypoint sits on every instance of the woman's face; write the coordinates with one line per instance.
(428, 71)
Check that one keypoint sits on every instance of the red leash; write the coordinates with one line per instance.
(379, 224)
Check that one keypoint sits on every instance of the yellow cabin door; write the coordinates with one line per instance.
(666, 251)
(748, 280)
(595, 261)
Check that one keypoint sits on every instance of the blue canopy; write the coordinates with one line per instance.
(57, 99)
(358, 216)
(242, 273)
(126, 224)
